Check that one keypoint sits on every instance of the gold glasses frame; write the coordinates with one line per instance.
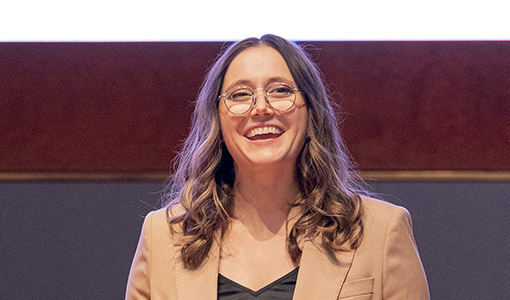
(253, 99)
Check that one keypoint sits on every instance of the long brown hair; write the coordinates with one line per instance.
(204, 178)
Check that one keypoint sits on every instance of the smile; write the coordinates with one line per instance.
(265, 132)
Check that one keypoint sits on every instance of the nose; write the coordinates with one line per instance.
(261, 107)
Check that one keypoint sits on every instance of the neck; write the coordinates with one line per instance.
(263, 200)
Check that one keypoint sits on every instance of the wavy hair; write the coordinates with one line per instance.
(204, 170)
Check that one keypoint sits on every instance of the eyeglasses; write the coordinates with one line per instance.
(279, 96)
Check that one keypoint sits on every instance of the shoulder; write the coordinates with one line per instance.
(375, 210)
(381, 218)
(158, 220)
(389, 253)
(377, 204)
(157, 224)
(152, 272)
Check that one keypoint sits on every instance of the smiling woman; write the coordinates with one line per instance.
(264, 201)
(263, 137)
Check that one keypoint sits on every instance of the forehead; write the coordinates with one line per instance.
(257, 66)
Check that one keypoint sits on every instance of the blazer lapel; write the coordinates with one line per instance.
(201, 284)
(321, 277)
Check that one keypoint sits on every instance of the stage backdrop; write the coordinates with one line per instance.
(124, 108)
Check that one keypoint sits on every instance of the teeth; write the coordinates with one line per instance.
(263, 130)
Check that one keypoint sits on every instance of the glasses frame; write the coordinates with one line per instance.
(254, 99)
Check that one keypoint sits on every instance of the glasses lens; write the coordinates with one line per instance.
(281, 96)
(238, 100)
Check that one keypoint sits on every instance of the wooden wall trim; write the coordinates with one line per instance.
(441, 175)
(84, 176)
(436, 175)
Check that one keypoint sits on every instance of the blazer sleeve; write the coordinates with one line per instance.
(138, 285)
(403, 274)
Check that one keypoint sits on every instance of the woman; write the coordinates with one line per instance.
(264, 202)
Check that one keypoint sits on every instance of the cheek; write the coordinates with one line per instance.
(223, 122)
(228, 127)
(302, 121)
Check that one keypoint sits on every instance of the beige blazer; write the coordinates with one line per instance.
(385, 266)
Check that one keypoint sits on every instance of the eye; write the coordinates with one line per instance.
(240, 95)
(283, 90)
(280, 90)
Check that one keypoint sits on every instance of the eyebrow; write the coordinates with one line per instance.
(268, 81)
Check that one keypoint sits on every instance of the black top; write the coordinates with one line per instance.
(280, 289)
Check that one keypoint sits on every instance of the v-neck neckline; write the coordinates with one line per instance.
(264, 288)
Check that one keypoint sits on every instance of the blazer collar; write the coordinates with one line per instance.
(319, 277)
(200, 284)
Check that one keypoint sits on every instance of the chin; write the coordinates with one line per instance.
(262, 161)
(267, 158)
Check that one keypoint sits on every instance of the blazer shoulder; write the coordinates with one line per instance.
(388, 252)
(153, 271)
(160, 219)
(378, 214)
(373, 206)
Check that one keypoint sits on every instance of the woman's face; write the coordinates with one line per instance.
(262, 136)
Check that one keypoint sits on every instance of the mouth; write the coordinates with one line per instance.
(263, 133)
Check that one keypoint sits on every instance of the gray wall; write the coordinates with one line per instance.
(462, 231)
(76, 240)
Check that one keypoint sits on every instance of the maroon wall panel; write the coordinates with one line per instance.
(423, 105)
(124, 107)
